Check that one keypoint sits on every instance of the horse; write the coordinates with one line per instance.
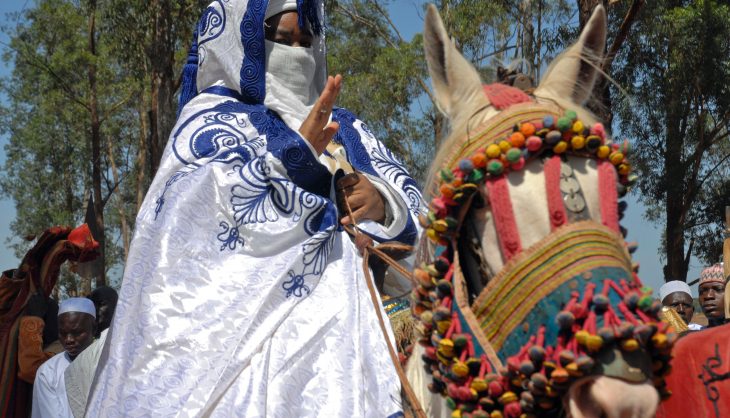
(527, 301)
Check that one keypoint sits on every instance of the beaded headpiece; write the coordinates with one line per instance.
(499, 354)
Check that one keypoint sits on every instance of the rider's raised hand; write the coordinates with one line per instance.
(316, 128)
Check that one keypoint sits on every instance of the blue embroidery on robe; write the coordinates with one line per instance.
(261, 197)
(392, 169)
(252, 77)
(212, 23)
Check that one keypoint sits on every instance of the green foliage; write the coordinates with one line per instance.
(674, 66)
(385, 75)
(677, 75)
(45, 173)
(48, 120)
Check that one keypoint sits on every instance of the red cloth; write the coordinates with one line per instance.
(700, 377)
(502, 96)
(30, 348)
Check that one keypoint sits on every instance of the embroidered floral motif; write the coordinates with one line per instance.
(229, 237)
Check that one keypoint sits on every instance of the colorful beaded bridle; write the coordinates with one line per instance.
(498, 356)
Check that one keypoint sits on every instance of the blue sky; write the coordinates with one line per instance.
(408, 16)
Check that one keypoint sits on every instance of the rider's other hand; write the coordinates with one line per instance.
(365, 201)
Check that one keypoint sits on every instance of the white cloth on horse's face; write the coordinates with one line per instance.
(241, 295)
(673, 286)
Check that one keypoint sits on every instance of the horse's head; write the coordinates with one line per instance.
(527, 292)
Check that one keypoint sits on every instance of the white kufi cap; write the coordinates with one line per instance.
(277, 6)
(674, 286)
(82, 305)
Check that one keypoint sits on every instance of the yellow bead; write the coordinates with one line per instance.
(493, 151)
(560, 147)
(582, 336)
(460, 369)
(446, 346)
(603, 151)
(432, 234)
(578, 127)
(659, 340)
(504, 146)
(496, 414)
(616, 158)
(578, 142)
(624, 169)
(594, 342)
(442, 327)
(629, 344)
(573, 370)
(479, 385)
(440, 226)
(456, 413)
(508, 397)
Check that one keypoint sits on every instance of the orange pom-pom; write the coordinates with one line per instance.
(527, 129)
(517, 139)
(447, 190)
(479, 160)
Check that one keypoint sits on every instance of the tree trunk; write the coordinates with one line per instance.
(142, 153)
(674, 173)
(96, 145)
(123, 225)
(162, 59)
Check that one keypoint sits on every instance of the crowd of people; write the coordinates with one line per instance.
(52, 339)
(59, 345)
(677, 295)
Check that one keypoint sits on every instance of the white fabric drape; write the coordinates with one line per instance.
(49, 389)
(241, 294)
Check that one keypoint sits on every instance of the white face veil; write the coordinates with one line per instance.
(230, 53)
(290, 72)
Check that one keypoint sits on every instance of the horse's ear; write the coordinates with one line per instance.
(575, 72)
(454, 79)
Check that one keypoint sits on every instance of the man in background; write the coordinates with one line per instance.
(80, 373)
(677, 295)
(76, 330)
(105, 300)
(712, 294)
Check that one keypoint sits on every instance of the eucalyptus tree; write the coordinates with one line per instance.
(676, 111)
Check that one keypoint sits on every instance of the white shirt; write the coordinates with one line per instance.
(49, 389)
(80, 374)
